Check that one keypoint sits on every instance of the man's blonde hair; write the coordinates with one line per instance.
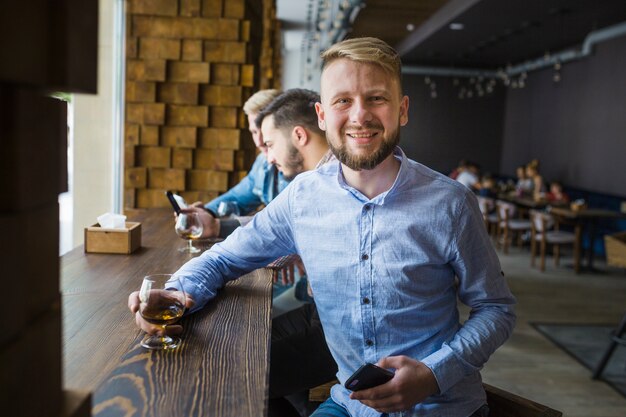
(259, 100)
(366, 50)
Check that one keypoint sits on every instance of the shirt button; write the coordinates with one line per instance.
(366, 300)
(365, 257)
(368, 342)
(366, 208)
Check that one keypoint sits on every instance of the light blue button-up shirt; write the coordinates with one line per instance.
(386, 273)
(260, 186)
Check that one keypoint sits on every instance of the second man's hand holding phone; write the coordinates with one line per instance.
(210, 225)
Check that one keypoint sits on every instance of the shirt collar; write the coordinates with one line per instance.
(328, 156)
(399, 154)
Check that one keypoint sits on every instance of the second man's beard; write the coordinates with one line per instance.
(294, 164)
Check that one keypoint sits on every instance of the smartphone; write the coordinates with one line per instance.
(368, 376)
(176, 201)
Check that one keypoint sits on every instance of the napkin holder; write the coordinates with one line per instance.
(102, 240)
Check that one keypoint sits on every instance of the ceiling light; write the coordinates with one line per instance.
(457, 26)
(410, 27)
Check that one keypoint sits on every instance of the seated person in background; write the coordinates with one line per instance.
(524, 185)
(469, 177)
(260, 186)
(487, 187)
(532, 173)
(299, 357)
(460, 168)
(556, 194)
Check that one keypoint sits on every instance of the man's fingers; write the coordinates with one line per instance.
(379, 392)
(151, 329)
(174, 329)
(189, 302)
(384, 401)
(300, 266)
(292, 275)
(392, 362)
(284, 275)
(133, 302)
(144, 325)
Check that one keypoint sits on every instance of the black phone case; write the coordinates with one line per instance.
(173, 202)
(368, 376)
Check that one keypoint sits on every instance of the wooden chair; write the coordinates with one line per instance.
(545, 231)
(509, 224)
(487, 206)
(501, 403)
(321, 393)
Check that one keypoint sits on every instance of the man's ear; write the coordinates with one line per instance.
(404, 111)
(321, 122)
(299, 136)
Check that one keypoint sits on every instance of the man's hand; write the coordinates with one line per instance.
(412, 383)
(210, 225)
(133, 305)
(283, 269)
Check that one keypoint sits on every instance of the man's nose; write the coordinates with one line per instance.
(270, 156)
(360, 113)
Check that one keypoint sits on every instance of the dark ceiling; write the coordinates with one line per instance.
(388, 19)
(496, 32)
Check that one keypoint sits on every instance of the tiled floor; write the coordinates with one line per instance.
(529, 364)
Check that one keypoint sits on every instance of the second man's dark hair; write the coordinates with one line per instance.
(294, 107)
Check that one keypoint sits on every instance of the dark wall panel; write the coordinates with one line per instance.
(443, 130)
(577, 127)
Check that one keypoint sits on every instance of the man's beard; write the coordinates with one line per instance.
(294, 163)
(366, 162)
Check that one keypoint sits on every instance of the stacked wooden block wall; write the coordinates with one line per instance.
(33, 171)
(188, 72)
(270, 61)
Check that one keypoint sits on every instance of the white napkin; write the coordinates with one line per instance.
(112, 221)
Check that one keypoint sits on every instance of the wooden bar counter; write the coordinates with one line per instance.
(221, 367)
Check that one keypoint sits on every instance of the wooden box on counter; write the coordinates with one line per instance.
(615, 245)
(100, 240)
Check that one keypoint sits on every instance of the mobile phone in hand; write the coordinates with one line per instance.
(368, 376)
(176, 201)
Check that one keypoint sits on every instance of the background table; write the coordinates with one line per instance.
(586, 218)
(221, 367)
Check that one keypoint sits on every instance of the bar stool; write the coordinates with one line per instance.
(618, 337)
